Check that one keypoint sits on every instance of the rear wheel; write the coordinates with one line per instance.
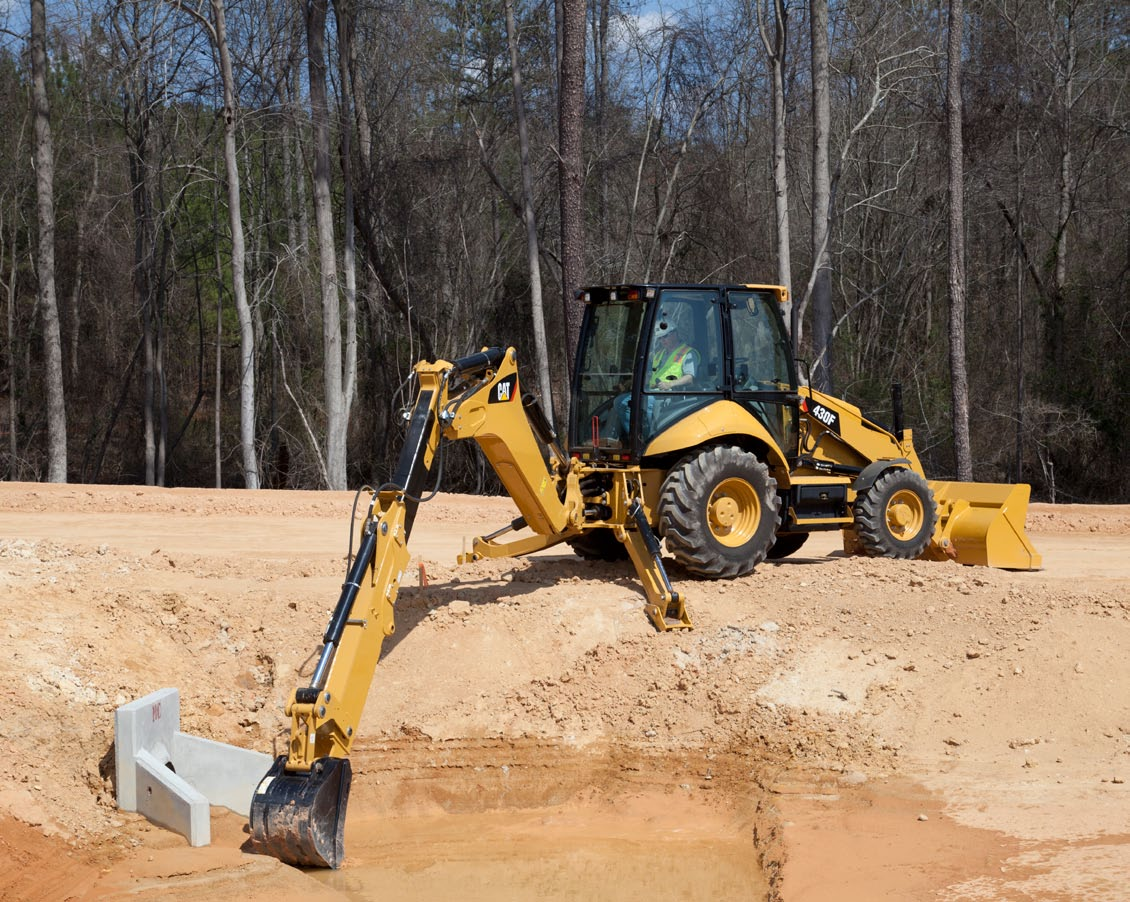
(896, 516)
(786, 544)
(598, 545)
(719, 511)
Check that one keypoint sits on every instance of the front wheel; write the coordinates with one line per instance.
(719, 512)
(895, 517)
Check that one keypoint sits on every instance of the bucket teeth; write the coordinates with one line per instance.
(299, 818)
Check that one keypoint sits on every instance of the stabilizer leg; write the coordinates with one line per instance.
(665, 606)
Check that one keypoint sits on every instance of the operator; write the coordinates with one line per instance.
(671, 367)
(673, 362)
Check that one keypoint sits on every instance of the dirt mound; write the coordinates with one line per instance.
(1096, 519)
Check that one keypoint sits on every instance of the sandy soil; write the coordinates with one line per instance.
(863, 729)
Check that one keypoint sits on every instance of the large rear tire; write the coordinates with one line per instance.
(896, 516)
(719, 512)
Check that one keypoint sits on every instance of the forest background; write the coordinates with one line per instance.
(261, 213)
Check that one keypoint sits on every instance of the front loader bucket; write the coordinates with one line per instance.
(299, 818)
(982, 523)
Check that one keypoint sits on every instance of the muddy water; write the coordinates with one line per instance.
(550, 824)
(546, 855)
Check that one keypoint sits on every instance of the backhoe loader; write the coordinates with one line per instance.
(687, 426)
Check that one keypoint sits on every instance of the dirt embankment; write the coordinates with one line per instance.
(938, 731)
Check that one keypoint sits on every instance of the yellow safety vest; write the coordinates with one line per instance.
(666, 367)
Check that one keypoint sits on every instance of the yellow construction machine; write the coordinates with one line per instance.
(687, 426)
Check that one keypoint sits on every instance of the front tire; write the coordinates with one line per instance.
(895, 517)
(719, 512)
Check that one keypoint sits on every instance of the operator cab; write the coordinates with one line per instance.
(651, 355)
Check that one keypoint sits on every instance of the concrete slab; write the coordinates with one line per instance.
(172, 777)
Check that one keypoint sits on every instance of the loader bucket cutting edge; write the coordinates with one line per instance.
(299, 818)
(982, 523)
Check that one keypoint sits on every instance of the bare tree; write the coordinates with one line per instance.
(600, 41)
(822, 315)
(343, 13)
(958, 375)
(238, 258)
(218, 381)
(218, 33)
(336, 384)
(45, 197)
(775, 50)
(665, 213)
(150, 54)
(538, 314)
(893, 75)
(9, 235)
(655, 101)
(571, 113)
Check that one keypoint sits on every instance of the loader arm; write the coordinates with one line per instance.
(298, 809)
(977, 523)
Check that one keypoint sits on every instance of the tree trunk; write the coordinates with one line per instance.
(217, 412)
(538, 314)
(570, 126)
(344, 16)
(238, 261)
(958, 376)
(45, 196)
(1065, 76)
(13, 403)
(296, 176)
(822, 316)
(323, 221)
(600, 60)
(775, 50)
(289, 177)
(80, 255)
(136, 103)
(1018, 476)
(161, 386)
(148, 358)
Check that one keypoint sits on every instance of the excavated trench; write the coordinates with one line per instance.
(521, 820)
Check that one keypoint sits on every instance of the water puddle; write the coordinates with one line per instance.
(548, 824)
(655, 847)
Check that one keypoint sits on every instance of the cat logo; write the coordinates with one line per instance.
(506, 390)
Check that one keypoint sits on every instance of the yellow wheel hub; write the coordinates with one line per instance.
(905, 515)
(733, 512)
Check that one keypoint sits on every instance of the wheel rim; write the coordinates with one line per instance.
(905, 515)
(733, 512)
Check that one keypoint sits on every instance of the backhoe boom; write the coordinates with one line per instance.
(298, 809)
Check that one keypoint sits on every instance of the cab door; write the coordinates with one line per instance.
(763, 374)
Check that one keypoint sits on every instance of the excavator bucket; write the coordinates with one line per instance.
(982, 523)
(299, 818)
